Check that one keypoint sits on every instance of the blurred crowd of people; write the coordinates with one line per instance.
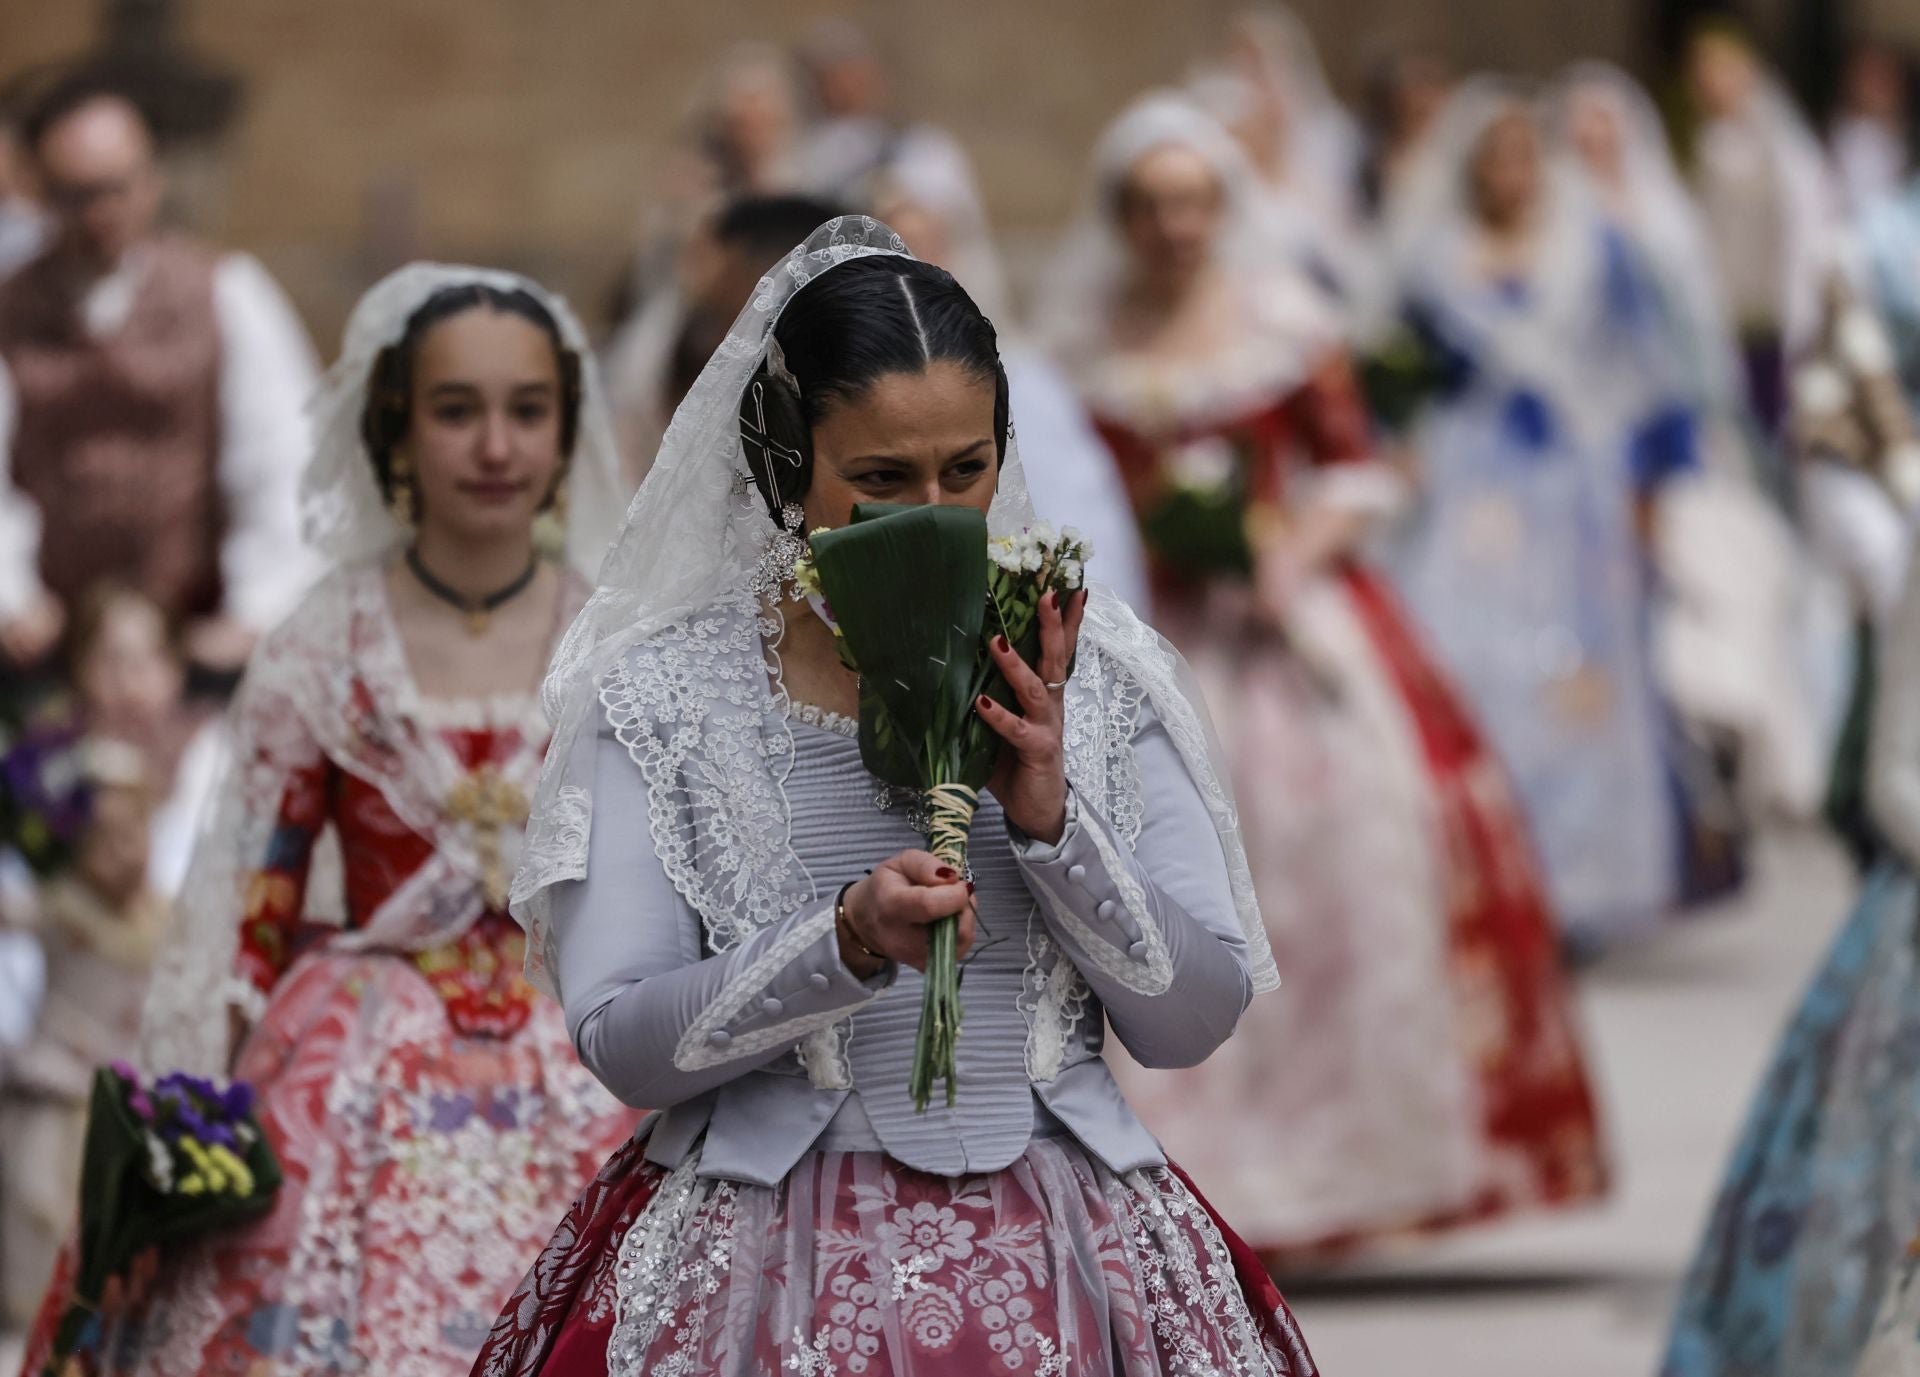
(1526, 471)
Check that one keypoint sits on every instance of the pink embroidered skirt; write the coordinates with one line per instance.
(856, 1266)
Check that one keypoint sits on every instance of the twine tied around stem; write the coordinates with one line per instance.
(950, 810)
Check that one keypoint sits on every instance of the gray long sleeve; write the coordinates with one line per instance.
(1153, 929)
(656, 1021)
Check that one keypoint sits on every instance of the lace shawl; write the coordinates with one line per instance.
(332, 679)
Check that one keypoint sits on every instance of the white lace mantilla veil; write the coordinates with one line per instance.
(692, 539)
(1091, 265)
(1324, 140)
(342, 512)
(1091, 262)
(300, 689)
(1664, 216)
(1429, 221)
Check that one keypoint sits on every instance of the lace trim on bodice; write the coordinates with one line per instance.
(824, 718)
(503, 712)
(692, 705)
(1286, 331)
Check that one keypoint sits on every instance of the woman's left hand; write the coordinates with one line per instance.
(1030, 778)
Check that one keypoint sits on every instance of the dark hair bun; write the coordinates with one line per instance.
(841, 333)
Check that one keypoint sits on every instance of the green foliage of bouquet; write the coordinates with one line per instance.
(914, 596)
(1408, 370)
(162, 1163)
(1196, 524)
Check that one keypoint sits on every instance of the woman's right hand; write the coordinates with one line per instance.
(893, 909)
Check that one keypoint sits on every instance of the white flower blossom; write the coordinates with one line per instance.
(159, 1162)
(1203, 465)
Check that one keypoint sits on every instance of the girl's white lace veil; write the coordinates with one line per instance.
(693, 537)
(298, 690)
(342, 512)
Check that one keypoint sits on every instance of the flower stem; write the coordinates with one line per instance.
(950, 810)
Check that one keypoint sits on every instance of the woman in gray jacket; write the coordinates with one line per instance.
(735, 915)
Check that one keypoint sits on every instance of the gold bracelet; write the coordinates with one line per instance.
(844, 925)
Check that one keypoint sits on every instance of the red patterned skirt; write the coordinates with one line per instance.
(856, 1266)
(423, 1167)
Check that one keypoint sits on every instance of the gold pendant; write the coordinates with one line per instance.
(478, 620)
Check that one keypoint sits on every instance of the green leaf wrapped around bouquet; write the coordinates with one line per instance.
(908, 590)
(914, 595)
(161, 1164)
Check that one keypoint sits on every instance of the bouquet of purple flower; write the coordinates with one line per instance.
(164, 1161)
(46, 795)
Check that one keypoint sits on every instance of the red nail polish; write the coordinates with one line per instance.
(1001, 644)
(947, 872)
(970, 886)
(981, 702)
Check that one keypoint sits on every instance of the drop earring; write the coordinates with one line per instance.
(772, 579)
(403, 494)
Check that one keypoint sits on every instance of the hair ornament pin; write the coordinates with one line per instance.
(777, 365)
(760, 434)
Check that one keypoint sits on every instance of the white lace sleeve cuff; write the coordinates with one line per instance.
(1095, 904)
(792, 988)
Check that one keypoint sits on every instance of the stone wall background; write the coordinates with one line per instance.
(524, 132)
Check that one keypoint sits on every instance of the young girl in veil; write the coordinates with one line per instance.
(735, 917)
(426, 1109)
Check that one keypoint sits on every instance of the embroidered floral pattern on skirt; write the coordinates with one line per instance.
(856, 1266)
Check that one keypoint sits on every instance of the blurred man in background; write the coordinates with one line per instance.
(151, 395)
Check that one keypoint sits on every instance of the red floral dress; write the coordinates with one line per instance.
(477, 975)
(1421, 1067)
